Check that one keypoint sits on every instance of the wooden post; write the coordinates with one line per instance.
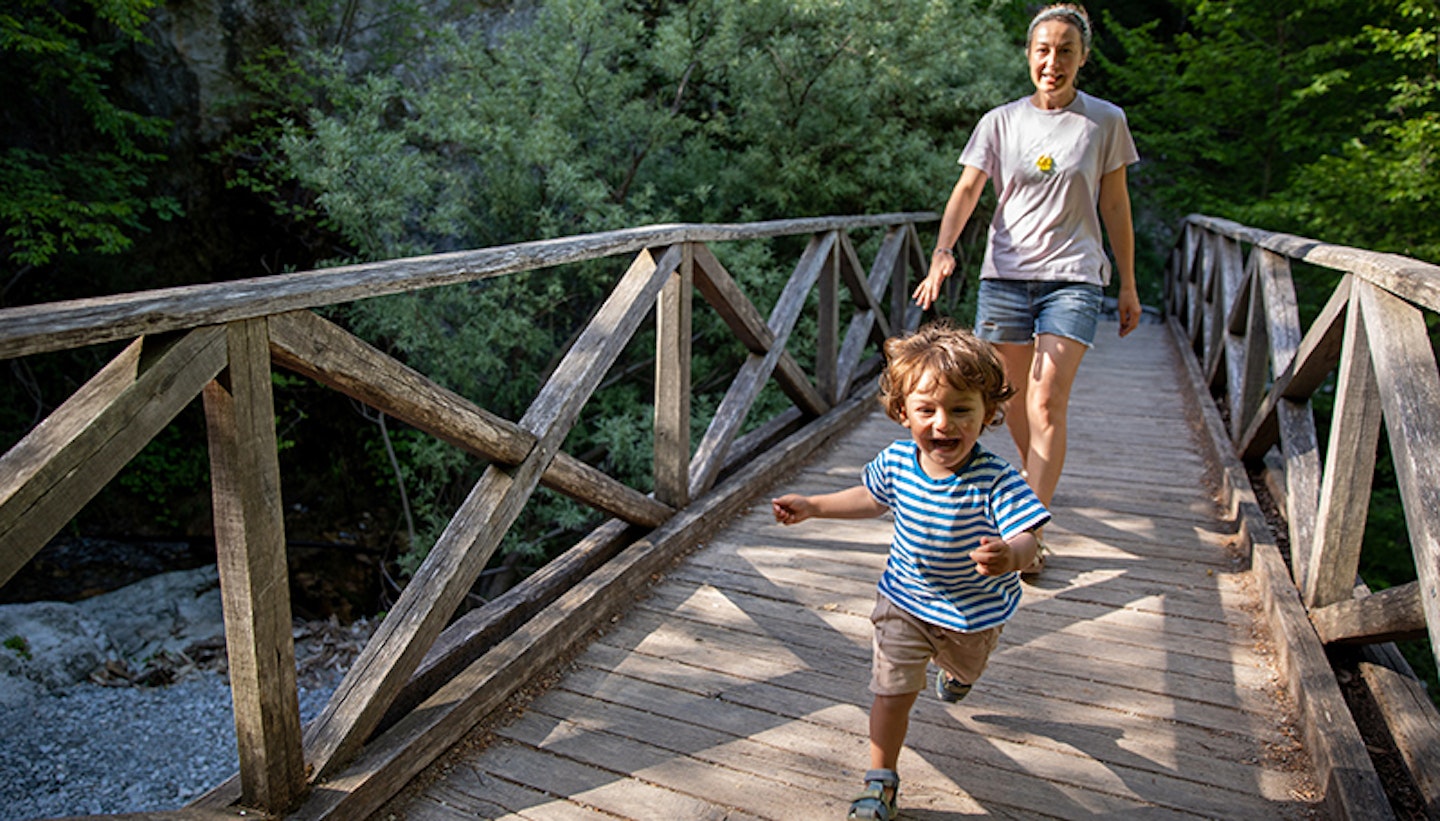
(254, 586)
(900, 287)
(1349, 471)
(672, 383)
(827, 325)
(1409, 393)
(1246, 395)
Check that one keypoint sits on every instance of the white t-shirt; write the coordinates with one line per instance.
(1046, 167)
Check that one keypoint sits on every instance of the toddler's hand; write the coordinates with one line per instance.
(994, 557)
(791, 509)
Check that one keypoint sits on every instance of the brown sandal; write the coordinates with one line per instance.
(1033, 571)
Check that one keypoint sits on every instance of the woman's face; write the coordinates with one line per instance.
(1056, 54)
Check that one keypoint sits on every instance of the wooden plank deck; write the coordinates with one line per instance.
(1135, 682)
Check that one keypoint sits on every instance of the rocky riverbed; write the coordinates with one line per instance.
(120, 703)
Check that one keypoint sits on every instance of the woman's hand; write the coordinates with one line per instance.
(942, 265)
(1130, 310)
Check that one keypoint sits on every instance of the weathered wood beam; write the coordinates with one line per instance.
(317, 348)
(753, 374)
(1317, 356)
(1344, 500)
(1227, 344)
(672, 384)
(1414, 726)
(827, 325)
(724, 295)
(254, 580)
(869, 322)
(1247, 392)
(1410, 279)
(913, 257)
(466, 545)
(50, 474)
(1296, 421)
(1410, 393)
(1196, 299)
(1350, 785)
(1393, 614)
(470, 636)
(60, 325)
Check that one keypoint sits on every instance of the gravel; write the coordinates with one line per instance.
(90, 749)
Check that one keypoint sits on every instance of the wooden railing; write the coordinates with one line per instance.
(420, 685)
(1230, 294)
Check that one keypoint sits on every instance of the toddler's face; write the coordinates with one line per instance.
(945, 422)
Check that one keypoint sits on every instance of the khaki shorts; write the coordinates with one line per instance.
(904, 645)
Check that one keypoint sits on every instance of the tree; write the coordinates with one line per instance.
(1390, 166)
(1288, 115)
(73, 158)
(595, 115)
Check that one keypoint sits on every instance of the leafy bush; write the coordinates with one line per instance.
(584, 116)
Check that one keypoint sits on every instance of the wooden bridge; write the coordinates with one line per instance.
(689, 659)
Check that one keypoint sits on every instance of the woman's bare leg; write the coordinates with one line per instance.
(1016, 360)
(1051, 377)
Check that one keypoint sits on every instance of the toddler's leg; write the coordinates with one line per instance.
(889, 721)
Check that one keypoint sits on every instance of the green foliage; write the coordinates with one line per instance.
(1390, 167)
(19, 645)
(1289, 115)
(595, 115)
(74, 161)
(166, 473)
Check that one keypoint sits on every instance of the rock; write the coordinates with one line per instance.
(54, 644)
(51, 643)
(164, 613)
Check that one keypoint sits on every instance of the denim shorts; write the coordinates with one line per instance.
(1017, 311)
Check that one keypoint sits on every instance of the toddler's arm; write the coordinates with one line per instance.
(853, 503)
(996, 557)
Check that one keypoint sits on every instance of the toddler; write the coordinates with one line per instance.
(964, 522)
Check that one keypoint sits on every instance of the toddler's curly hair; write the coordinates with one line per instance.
(953, 354)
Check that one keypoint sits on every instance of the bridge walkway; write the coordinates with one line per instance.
(1136, 681)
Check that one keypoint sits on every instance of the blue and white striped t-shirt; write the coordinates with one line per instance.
(938, 522)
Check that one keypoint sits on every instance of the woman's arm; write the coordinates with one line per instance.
(1115, 213)
(957, 212)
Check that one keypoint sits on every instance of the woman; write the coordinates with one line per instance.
(1058, 159)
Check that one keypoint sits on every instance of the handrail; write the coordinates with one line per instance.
(220, 341)
(61, 325)
(1229, 294)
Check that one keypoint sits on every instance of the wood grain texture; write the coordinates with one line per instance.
(1411, 279)
(1350, 786)
(254, 580)
(1393, 614)
(1344, 501)
(1413, 725)
(755, 372)
(474, 533)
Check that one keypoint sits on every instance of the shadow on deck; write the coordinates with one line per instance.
(1136, 681)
